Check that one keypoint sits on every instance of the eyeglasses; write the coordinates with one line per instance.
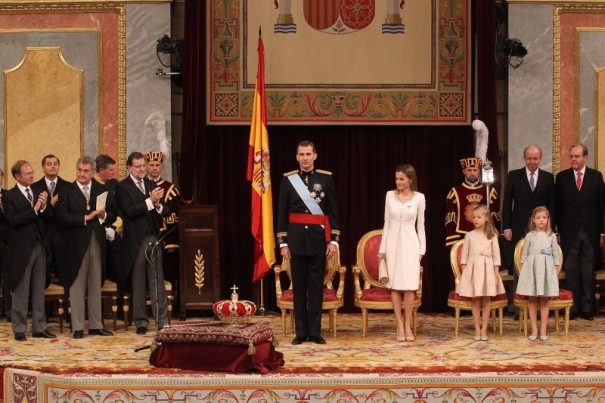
(138, 166)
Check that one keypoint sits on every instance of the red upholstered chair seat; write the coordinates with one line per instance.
(333, 290)
(379, 295)
(564, 295)
(453, 295)
(564, 301)
(370, 293)
(329, 295)
(458, 302)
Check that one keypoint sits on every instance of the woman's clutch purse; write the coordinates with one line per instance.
(383, 275)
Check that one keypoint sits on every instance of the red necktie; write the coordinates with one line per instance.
(579, 181)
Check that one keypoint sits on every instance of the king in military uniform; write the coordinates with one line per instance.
(308, 233)
(462, 199)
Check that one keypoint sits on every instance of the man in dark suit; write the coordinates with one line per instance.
(580, 201)
(51, 183)
(4, 233)
(526, 189)
(307, 233)
(105, 168)
(24, 210)
(82, 223)
(140, 201)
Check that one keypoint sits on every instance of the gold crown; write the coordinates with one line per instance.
(471, 162)
(234, 311)
(155, 156)
(474, 198)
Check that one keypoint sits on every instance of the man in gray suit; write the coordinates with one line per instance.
(82, 222)
(24, 209)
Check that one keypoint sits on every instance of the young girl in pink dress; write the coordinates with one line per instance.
(480, 265)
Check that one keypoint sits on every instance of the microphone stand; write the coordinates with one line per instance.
(151, 255)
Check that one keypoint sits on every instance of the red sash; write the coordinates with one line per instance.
(300, 218)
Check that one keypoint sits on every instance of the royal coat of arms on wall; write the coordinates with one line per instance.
(402, 62)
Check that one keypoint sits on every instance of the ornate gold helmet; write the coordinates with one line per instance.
(155, 156)
(471, 162)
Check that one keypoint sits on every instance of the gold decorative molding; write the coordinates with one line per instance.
(594, 7)
(67, 6)
(554, 2)
(37, 2)
(556, 90)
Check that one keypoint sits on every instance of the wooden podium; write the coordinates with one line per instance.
(199, 269)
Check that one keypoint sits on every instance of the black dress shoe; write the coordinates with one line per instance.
(20, 336)
(78, 334)
(99, 332)
(298, 340)
(317, 340)
(44, 335)
(573, 315)
(586, 315)
(141, 330)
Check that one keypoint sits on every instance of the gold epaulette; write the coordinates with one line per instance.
(291, 172)
(321, 171)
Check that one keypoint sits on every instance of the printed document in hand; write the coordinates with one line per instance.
(101, 200)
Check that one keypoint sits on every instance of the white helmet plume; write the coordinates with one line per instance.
(481, 139)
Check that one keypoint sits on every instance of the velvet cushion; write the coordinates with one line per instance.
(208, 333)
(379, 295)
(216, 347)
(329, 296)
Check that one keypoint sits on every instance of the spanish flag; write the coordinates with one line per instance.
(260, 176)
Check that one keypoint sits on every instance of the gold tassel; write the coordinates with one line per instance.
(251, 349)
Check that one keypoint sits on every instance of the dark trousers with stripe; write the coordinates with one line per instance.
(307, 277)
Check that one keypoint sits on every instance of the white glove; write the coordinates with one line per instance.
(110, 234)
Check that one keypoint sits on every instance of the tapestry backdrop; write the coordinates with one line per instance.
(373, 62)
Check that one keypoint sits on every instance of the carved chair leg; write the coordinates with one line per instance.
(457, 318)
(493, 313)
(414, 323)
(364, 322)
(333, 313)
(114, 311)
(501, 314)
(567, 310)
(60, 312)
(597, 298)
(557, 320)
(126, 308)
(283, 321)
(525, 315)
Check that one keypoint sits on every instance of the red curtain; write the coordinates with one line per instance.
(362, 158)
